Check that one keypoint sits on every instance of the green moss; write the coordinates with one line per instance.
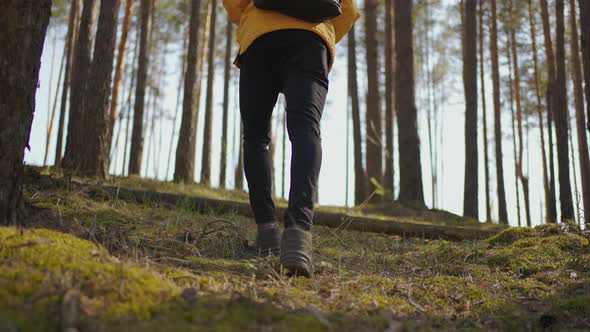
(362, 280)
(43, 261)
(510, 235)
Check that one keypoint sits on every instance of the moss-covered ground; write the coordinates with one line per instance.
(88, 260)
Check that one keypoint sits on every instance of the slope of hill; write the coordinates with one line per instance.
(91, 261)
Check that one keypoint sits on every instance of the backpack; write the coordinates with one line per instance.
(313, 11)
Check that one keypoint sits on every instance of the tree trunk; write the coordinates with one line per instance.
(389, 102)
(411, 191)
(132, 85)
(179, 91)
(471, 189)
(94, 159)
(206, 161)
(149, 120)
(71, 39)
(49, 93)
(136, 153)
(284, 161)
(52, 114)
(515, 151)
(185, 153)
(523, 179)
(552, 203)
(117, 83)
(228, 53)
(23, 24)
(502, 212)
(585, 39)
(579, 105)
(539, 109)
(360, 177)
(201, 71)
(431, 100)
(560, 110)
(484, 112)
(80, 71)
(239, 182)
(374, 154)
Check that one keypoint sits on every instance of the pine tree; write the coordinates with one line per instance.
(523, 178)
(118, 80)
(374, 146)
(94, 158)
(585, 39)
(502, 212)
(207, 140)
(560, 111)
(388, 176)
(539, 109)
(71, 39)
(228, 53)
(23, 24)
(137, 139)
(552, 202)
(579, 107)
(185, 150)
(484, 112)
(411, 191)
(360, 177)
(471, 189)
(80, 71)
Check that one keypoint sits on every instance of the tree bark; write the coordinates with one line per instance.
(239, 182)
(552, 203)
(118, 81)
(185, 153)
(132, 85)
(560, 110)
(183, 59)
(80, 71)
(94, 159)
(484, 112)
(585, 39)
(49, 93)
(71, 39)
(389, 102)
(523, 178)
(411, 190)
(23, 24)
(514, 135)
(539, 109)
(471, 189)
(227, 76)
(360, 177)
(52, 115)
(136, 153)
(206, 160)
(579, 105)
(502, 212)
(374, 144)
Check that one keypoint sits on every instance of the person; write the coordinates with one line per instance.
(282, 54)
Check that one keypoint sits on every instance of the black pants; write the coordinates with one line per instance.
(294, 62)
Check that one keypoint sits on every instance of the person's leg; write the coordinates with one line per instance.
(305, 89)
(258, 95)
(305, 85)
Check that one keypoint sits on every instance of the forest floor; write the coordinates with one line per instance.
(89, 260)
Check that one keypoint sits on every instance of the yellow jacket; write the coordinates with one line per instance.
(253, 23)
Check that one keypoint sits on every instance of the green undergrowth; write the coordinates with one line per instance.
(151, 268)
(378, 211)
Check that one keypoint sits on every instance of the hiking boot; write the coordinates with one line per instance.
(268, 240)
(296, 246)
